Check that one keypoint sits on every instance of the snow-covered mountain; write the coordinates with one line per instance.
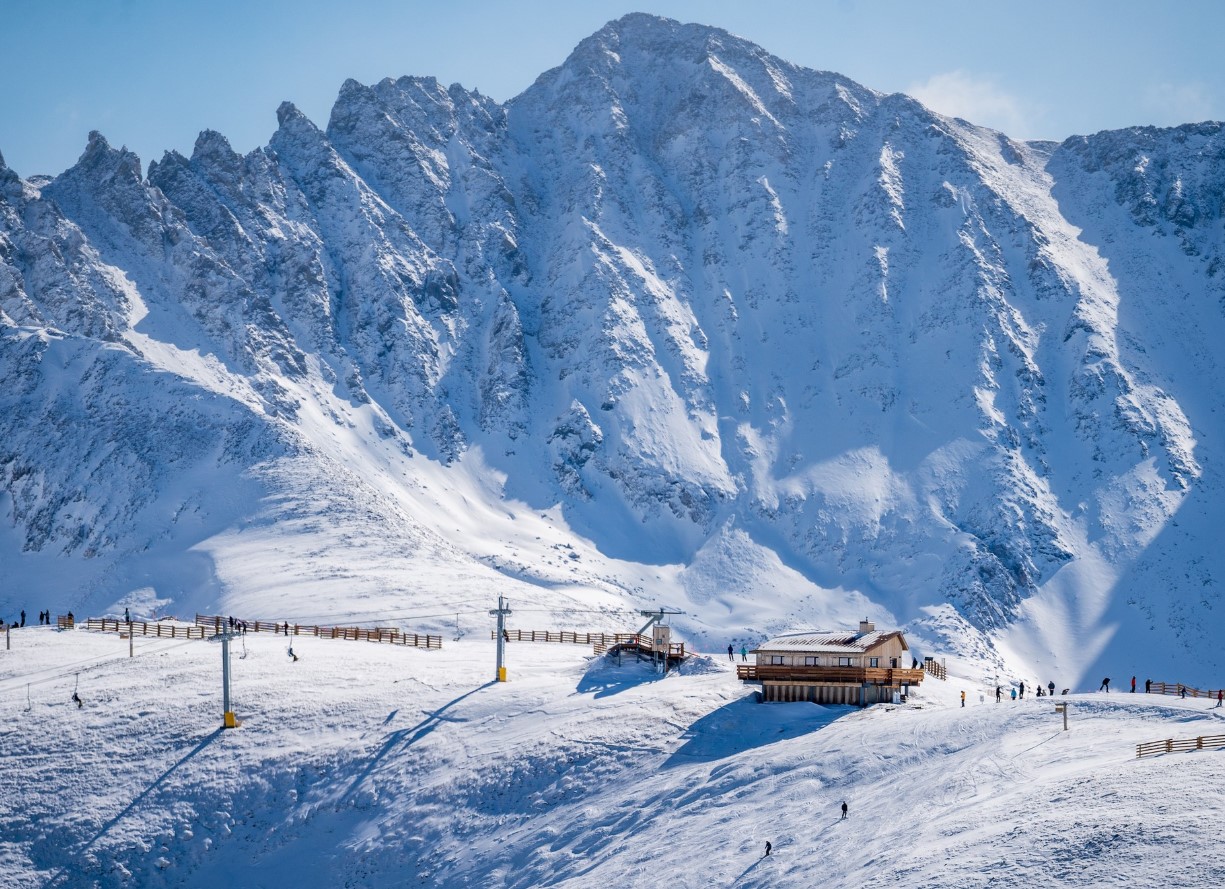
(683, 324)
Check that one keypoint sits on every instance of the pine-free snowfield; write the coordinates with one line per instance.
(368, 765)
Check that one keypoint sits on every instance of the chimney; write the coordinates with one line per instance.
(866, 626)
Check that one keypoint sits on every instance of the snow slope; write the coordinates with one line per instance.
(683, 324)
(368, 765)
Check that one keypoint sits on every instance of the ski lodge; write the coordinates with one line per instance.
(864, 667)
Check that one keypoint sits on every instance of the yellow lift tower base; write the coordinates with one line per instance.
(231, 721)
(501, 674)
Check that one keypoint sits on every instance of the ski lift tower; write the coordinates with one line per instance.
(661, 633)
(228, 718)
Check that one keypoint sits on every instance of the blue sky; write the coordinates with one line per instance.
(150, 74)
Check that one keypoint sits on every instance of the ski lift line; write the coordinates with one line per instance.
(77, 667)
(368, 615)
(574, 611)
(373, 618)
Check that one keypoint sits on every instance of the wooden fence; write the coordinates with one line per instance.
(215, 623)
(600, 642)
(936, 668)
(1175, 688)
(1179, 745)
(574, 638)
(143, 628)
(64, 622)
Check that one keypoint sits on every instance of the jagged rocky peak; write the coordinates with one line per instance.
(288, 115)
(7, 177)
(101, 160)
(213, 150)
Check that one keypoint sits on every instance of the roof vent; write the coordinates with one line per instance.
(866, 626)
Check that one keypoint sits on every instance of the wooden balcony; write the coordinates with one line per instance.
(894, 677)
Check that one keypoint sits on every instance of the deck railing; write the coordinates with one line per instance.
(892, 676)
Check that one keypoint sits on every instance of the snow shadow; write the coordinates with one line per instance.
(604, 677)
(745, 724)
(401, 739)
(66, 873)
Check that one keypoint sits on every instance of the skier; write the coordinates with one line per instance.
(768, 848)
(1182, 692)
(76, 699)
(1220, 697)
(963, 698)
(1105, 685)
(292, 655)
(1133, 685)
(844, 810)
(744, 653)
(731, 653)
(1148, 686)
(1050, 687)
(998, 694)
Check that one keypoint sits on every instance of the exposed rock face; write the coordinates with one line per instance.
(677, 285)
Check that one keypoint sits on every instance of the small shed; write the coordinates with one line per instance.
(861, 667)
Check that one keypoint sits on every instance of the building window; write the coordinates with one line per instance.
(873, 662)
(844, 662)
(811, 661)
(776, 660)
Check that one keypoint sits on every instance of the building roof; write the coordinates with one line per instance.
(835, 642)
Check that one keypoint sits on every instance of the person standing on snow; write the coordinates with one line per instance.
(1105, 685)
(768, 848)
(1133, 685)
(1022, 689)
(998, 694)
(1014, 694)
(1050, 687)
(744, 653)
(844, 810)
(1148, 686)
(963, 698)
(731, 656)
(1220, 697)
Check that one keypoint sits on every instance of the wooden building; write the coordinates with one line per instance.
(849, 667)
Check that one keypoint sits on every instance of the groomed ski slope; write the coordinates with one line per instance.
(368, 765)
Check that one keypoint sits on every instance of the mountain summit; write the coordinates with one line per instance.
(682, 324)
